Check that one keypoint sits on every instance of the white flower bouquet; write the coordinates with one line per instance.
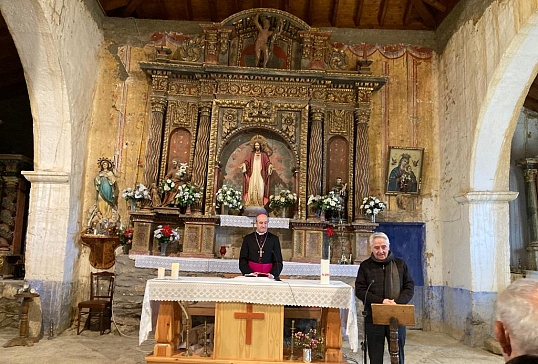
(313, 201)
(228, 196)
(139, 193)
(372, 206)
(330, 202)
(167, 185)
(284, 199)
(188, 195)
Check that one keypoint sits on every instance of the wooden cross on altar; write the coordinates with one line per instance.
(249, 316)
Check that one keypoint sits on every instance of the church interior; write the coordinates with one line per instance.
(112, 110)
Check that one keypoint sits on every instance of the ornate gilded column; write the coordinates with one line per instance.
(201, 154)
(316, 152)
(362, 156)
(530, 171)
(153, 149)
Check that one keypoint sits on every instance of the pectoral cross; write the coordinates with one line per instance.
(261, 253)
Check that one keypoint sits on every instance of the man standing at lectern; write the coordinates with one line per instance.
(385, 279)
(260, 251)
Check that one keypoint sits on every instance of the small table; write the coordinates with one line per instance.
(23, 339)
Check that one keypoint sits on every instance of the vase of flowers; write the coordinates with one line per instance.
(308, 341)
(165, 235)
(188, 194)
(281, 201)
(126, 239)
(135, 196)
(371, 206)
(228, 198)
(330, 202)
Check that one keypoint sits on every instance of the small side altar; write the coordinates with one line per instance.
(235, 295)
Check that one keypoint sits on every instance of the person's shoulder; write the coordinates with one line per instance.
(524, 359)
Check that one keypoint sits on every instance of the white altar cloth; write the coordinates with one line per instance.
(291, 292)
(232, 266)
(248, 222)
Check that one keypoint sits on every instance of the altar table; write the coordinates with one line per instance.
(161, 296)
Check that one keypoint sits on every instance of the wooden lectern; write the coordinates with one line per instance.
(393, 315)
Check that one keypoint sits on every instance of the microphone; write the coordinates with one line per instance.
(364, 313)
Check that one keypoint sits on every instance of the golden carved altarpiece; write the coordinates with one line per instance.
(207, 85)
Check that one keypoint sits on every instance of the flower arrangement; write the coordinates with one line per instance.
(165, 234)
(126, 236)
(167, 185)
(331, 202)
(284, 199)
(308, 340)
(139, 193)
(228, 196)
(313, 201)
(188, 194)
(372, 206)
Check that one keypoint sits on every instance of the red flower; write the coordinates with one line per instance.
(167, 231)
(329, 231)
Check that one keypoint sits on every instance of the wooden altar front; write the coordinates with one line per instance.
(243, 317)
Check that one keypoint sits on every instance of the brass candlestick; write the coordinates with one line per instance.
(187, 342)
(292, 357)
(205, 353)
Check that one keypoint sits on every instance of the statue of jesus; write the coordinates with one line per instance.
(256, 169)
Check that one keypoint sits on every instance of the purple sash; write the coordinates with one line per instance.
(260, 268)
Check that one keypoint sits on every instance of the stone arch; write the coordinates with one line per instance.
(51, 40)
(498, 116)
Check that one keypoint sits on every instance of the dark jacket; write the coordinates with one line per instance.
(272, 253)
(524, 359)
(381, 274)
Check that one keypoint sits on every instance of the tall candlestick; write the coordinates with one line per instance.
(175, 270)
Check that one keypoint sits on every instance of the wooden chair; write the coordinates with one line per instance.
(100, 302)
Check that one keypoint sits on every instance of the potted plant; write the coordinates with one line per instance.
(126, 239)
(308, 341)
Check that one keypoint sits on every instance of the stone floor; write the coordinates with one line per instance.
(91, 348)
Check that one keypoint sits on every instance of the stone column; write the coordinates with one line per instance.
(201, 155)
(530, 171)
(316, 153)
(482, 265)
(51, 253)
(362, 156)
(153, 149)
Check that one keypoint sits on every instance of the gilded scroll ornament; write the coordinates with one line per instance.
(289, 125)
(229, 121)
(259, 111)
(192, 49)
(337, 59)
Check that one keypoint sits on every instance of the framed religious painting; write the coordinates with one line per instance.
(404, 171)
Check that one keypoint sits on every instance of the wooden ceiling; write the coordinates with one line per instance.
(359, 14)
(364, 14)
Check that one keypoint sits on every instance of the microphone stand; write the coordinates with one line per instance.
(364, 344)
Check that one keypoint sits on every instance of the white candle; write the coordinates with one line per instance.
(175, 270)
(325, 274)
(160, 273)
